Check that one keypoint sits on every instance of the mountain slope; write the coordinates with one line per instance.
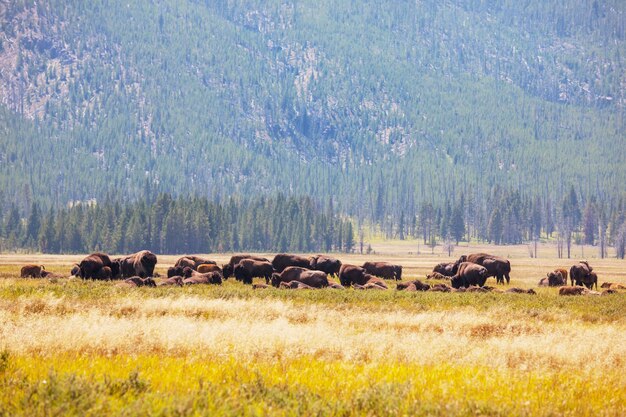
(329, 98)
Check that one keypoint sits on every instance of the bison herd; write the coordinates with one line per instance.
(468, 274)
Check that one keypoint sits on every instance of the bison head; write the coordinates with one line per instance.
(228, 271)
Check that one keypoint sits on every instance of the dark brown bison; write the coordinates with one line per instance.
(139, 264)
(315, 279)
(229, 268)
(208, 268)
(496, 266)
(553, 279)
(192, 261)
(351, 274)
(573, 290)
(207, 278)
(581, 274)
(138, 282)
(91, 265)
(469, 274)
(384, 270)
(563, 272)
(446, 269)
(284, 260)
(175, 280)
(174, 271)
(247, 269)
(104, 273)
(417, 285)
(325, 264)
(33, 271)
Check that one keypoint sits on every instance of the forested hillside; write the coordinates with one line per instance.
(385, 107)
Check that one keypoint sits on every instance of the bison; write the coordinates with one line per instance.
(174, 271)
(384, 270)
(174, 280)
(496, 266)
(139, 264)
(33, 271)
(91, 265)
(573, 290)
(208, 268)
(247, 269)
(295, 285)
(138, 282)
(192, 261)
(469, 274)
(516, 290)
(325, 264)
(553, 279)
(351, 274)
(417, 285)
(284, 260)
(229, 268)
(446, 269)
(581, 274)
(315, 279)
(207, 278)
(613, 286)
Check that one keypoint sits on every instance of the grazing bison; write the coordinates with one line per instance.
(284, 260)
(581, 274)
(446, 269)
(496, 266)
(351, 274)
(33, 271)
(104, 273)
(208, 278)
(384, 270)
(315, 279)
(138, 282)
(247, 269)
(174, 280)
(469, 274)
(91, 265)
(417, 285)
(573, 290)
(325, 264)
(208, 268)
(229, 268)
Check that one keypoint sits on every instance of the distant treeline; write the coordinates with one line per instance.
(185, 225)
(164, 224)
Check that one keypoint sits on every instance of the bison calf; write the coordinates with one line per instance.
(33, 271)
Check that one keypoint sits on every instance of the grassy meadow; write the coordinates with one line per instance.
(70, 347)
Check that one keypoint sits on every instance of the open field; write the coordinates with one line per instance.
(69, 347)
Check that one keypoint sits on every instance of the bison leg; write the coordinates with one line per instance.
(508, 278)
